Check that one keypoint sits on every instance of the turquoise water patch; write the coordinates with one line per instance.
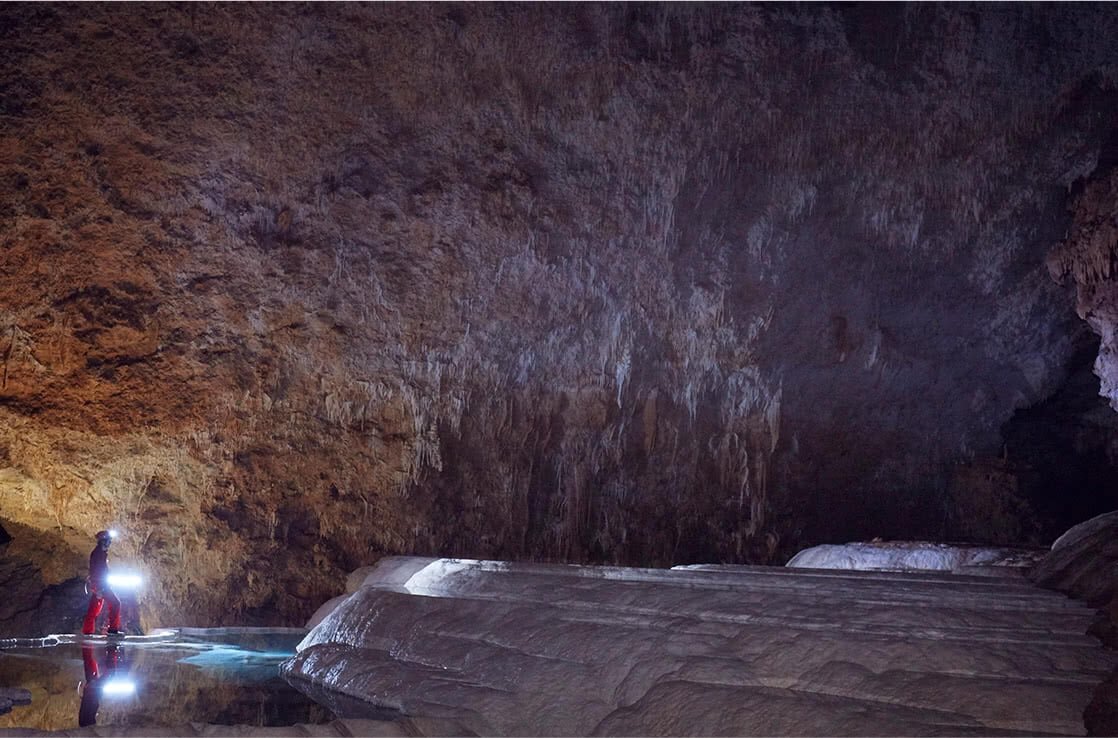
(225, 676)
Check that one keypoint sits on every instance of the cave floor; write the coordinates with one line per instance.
(535, 649)
(439, 647)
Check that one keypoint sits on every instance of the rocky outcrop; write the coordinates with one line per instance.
(1084, 561)
(287, 288)
(29, 561)
(1088, 256)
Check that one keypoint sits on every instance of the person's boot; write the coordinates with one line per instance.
(115, 633)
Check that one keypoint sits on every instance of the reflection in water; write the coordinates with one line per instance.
(100, 680)
(226, 677)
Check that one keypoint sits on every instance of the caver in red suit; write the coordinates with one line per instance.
(99, 590)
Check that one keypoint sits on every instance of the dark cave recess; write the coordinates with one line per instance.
(1058, 466)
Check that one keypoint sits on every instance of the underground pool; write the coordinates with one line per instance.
(224, 676)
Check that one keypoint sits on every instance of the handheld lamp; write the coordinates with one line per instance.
(125, 581)
(118, 687)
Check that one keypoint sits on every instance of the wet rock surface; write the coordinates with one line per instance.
(289, 288)
(519, 649)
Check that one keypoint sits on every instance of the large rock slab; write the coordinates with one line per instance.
(532, 649)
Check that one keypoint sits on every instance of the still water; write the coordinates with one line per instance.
(227, 676)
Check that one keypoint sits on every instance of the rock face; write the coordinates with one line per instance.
(288, 288)
(1089, 256)
(31, 605)
(1084, 561)
(522, 649)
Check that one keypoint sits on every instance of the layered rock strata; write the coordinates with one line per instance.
(519, 649)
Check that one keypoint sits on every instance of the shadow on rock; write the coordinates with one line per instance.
(31, 606)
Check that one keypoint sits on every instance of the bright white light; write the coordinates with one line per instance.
(118, 687)
(113, 534)
(125, 581)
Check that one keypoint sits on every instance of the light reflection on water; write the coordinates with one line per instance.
(226, 676)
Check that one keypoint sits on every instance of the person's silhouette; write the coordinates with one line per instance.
(99, 590)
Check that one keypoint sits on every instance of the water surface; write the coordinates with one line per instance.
(227, 676)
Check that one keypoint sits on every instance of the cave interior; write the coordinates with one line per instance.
(290, 288)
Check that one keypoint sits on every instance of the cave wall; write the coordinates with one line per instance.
(1088, 256)
(288, 287)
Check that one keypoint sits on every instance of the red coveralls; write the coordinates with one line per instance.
(99, 592)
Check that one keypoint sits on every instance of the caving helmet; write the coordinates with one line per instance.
(104, 536)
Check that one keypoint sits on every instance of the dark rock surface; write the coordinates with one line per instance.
(289, 287)
(1101, 716)
(1058, 463)
(30, 605)
(1084, 564)
(1084, 561)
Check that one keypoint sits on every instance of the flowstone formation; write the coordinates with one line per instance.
(287, 288)
(536, 649)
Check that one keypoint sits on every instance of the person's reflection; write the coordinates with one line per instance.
(95, 677)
